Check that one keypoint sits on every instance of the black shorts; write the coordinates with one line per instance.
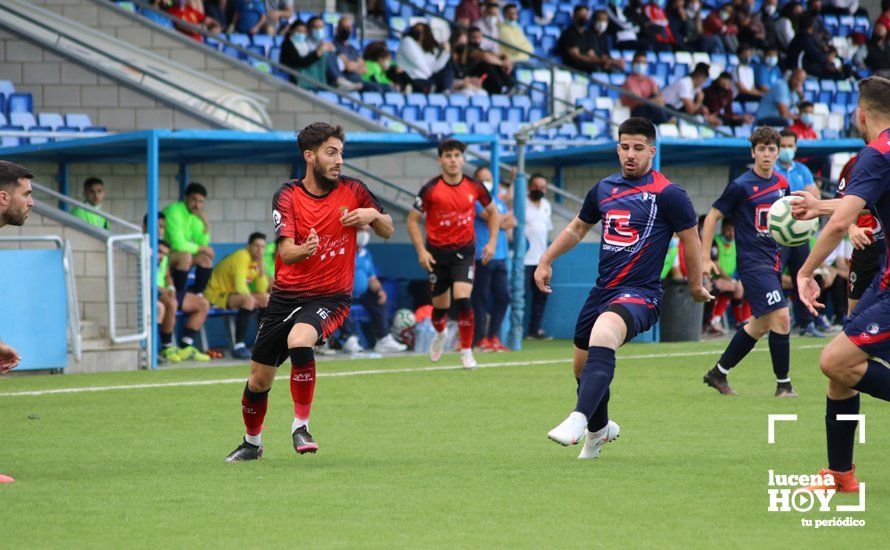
(452, 266)
(325, 313)
(864, 265)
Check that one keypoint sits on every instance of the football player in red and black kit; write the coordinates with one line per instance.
(449, 202)
(315, 220)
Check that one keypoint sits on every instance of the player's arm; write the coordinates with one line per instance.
(380, 222)
(847, 210)
(9, 358)
(707, 240)
(573, 234)
(810, 207)
(494, 226)
(292, 252)
(692, 252)
(424, 258)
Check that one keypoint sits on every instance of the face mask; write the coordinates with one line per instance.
(641, 69)
(772, 61)
(492, 20)
(343, 35)
(601, 26)
(513, 22)
(837, 63)
(318, 34)
(362, 238)
(299, 37)
(807, 118)
(744, 61)
(786, 155)
(536, 195)
(691, 13)
(724, 15)
(769, 10)
(580, 22)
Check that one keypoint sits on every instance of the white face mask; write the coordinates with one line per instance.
(362, 238)
(488, 185)
(601, 26)
(769, 9)
(492, 20)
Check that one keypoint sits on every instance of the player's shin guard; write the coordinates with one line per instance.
(302, 383)
(253, 409)
(741, 344)
(440, 317)
(465, 322)
(202, 277)
(780, 353)
(595, 379)
(876, 381)
(840, 433)
(242, 321)
(600, 416)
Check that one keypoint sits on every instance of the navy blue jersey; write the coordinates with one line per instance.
(746, 200)
(870, 180)
(639, 218)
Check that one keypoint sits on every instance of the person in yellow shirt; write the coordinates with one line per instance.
(239, 282)
(510, 32)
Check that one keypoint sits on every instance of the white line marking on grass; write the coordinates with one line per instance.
(242, 379)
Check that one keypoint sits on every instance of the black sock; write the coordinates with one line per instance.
(595, 379)
(261, 312)
(188, 337)
(578, 380)
(166, 339)
(840, 434)
(180, 280)
(780, 352)
(740, 345)
(202, 277)
(242, 320)
(876, 381)
(600, 416)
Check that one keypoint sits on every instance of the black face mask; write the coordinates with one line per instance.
(343, 35)
(536, 195)
(581, 22)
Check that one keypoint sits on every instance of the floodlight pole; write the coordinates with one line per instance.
(517, 283)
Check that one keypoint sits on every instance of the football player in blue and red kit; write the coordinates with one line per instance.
(851, 360)
(747, 200)
(640, 211)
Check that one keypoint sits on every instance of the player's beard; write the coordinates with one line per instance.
(323, 180)
(14, 218)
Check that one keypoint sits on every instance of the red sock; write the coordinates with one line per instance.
(302, 380)
(253, 409)
(440, 317)
(466, 322)
(720, 305)
(746, 311)
(738, 310)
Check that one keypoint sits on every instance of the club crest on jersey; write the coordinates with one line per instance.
(644, 196)
(617, 230)
(872, 329)
(614, 190)
(470, 198)
(756, 188)
(276, 218)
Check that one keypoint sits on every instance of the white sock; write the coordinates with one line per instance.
(722, 370)
(784, 381)
(186, 341)
(238, 345)
(299, 422)
(254, 439)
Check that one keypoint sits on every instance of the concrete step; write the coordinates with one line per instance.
(104, 344)
(89, 330)
(101, 355)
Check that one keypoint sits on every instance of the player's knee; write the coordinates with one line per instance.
(463, 304)
(183, 260)
(262, 300)
(162, 310)
(247, 302)
(203, 304)
(831, 362)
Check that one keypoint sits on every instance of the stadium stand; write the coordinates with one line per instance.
(19, 126)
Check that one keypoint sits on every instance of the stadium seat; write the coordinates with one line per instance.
(743, 131)
(514, 114)
(452, 114)
(501, 101)
(2, 119)
(328, 96)
(432, 113)
(373, 98)
(242, 40)
(263, 41)
(523, 102)
(50, 120)
(473, 115)
(829, 133)
(418, 100)
(482, 128)
(437, 100)
(37, 140)
(395, 99)
(19, 103)
(411, 113)
(25, 120)
(536, 113)
(459, 100)
(668, 130)
(667, 57)
(103, 129)
(442, 128)
(481, 100)
(493, 115)
(78, 120)
(6, 88)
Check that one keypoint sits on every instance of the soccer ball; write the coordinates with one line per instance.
(786, 230)
(403, 326)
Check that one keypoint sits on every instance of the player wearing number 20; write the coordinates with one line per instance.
(315, 221)
(747, 200)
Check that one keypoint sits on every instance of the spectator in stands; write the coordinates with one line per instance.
(424, 61)
(603, 42)
(884, 18)
(461, 64)
(743, 76)
(803, 125)
(306, 56)
(849, 7)
(491, 290)
(878, 60)
(626, 32)
(93, 195)
(786, 24)
(775, 107)
(663, 38)
(218, 10)
(718, 101)
(814, 9)
(250, 16)
(767, 72)
(807, 51)
(686, 25)
(489, 24)
(577, 46)
(347, 67)
(368, 291)
(192, 11)
(685, 94)
(511, 33)
(378, 62)
(278, 14)
(798, 175)
(239, 282)
(494, 70)
(639, 83)
(538, 224)
(719, 25)
(768, 16)
(537, 6)
(468, 12)
(196, 307)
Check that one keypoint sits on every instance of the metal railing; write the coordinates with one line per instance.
(73, 320)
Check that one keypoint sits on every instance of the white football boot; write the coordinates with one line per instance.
(570, 431)
(594, 441)
(437, 346)
(467, 359)
(388, 344)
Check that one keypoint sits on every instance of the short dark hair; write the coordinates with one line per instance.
(701, 69)
(162, 242)
(451, 145)
(313, 136)
(254, 236)
(11, 173)
(376, 51)
(640, 54)
(787, 133)
(537, 175)
(480, 168)
(638, 126)
(195, 189)
(161, 216)
(805, 105)
(874, 93)
(91, 181)
(765, 135)
(510, 5)
(580, 7)
(724, 74)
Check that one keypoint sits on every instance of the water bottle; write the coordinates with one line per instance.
(423, 336)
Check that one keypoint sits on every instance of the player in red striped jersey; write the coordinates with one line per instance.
(315, 220)
(449, 202)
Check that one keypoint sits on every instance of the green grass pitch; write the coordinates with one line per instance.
(430, 458)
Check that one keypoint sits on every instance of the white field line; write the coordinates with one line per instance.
(242, 379)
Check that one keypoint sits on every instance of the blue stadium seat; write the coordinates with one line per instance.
(78, 120)
(6, 88)
(440, 128)
(862, 25)
(660, 70)
(50, 120)
(452, 114)
(391, 109)
(233, 52)
(508, 129)
(617, 78)
(524, 102)
(411, 113)
(459, 100)
(418, 100)
(534, 33)
(847, 22)
(514, 114)
(828, 133)
(242, 40)
(437, 100)
(257, 50)
(667, 57)
(494, 115)
(328, 96)
(536, 113)
(19, 103)
(103, 129)
(483, 128)
(34, 140)
(373, 98)
(263, 41)
(472, 115)
(25, 120)
(12, 141)
(499, 100)
(275, 54)
(2, 119)
(743, 131)
(432, 113)
(546, 45)
(751, 107)
(831, 24)
(395, 99)
(569, 131)
(480, 100)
